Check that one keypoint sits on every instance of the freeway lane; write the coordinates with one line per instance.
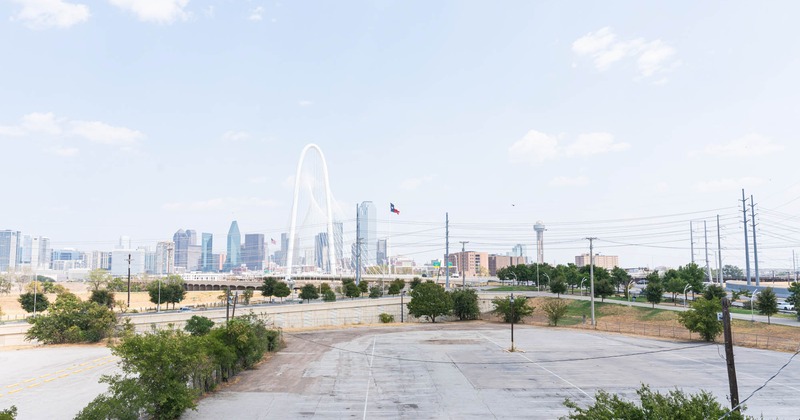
(53, 382)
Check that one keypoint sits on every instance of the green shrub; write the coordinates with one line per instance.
(465, 304)
(198, 325)
(386, 318)
(9, 413)
(70, 320)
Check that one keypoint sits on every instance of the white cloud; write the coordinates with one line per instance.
(234, 136)
(414, 183)
(157, 11)
(594, 144)
(103, 133)
(747, 146)
(305, 102)
(226, 203)
(535, 147)
(41, 122)
(727, 184)
(64, 151)
(11, 131)
(208, 11)
(538, 147)
(257, 14)
(43, 14)
(565, 181)
(603, 47)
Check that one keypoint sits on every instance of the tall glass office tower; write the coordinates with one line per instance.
(206, 253)
(234, 258)
(367, 233)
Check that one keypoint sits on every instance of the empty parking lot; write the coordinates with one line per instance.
(459, 370)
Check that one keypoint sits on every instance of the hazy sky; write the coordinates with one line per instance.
(140, 117)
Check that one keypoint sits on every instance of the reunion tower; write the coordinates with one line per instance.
(539, 228)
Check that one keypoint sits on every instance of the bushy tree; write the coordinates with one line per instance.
(268, 287)
(694, 276)
(767, 303)
(198, 325)
(324, 287)
(794, 296)
(653, 405)
(558, 286)
(9, 413)
(70, 320)
(416, 281)
(555, 309)
(171, 290)
(103, 297)
(363, 286)
(674, 285)
(375, 292)
(603, 289)
(654, 292)
(429, 300)
(27, 300)
(329, 296)
(394, 289)
(352, 290)
(620, 279)
(5, 285)
(732, 272)
(247, 294)
(465, 304)
(702, 318)
(519, 310)
(714, 291)
(281, 290)
(309, 292)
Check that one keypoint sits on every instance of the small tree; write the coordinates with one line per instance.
(281, 290)
(363, 286)
(465, 304)
(429, 300)
(26, 300)
(654, 292)
(198, 325)
(329, 296)
(702, 318)
(375, 292)
(794, 297)
(714, 291)
(767, 303)
(9, 413)
(394, 289)
(555, 309)
(603, 289)
(558, 286)
(324, 287)
(674, 405)
(351, 290)
(521, 309)
(5, 285)
(99, 278)
(247, 294)
(268, 288)
(416, 281)
(102, 297)
(309, 292)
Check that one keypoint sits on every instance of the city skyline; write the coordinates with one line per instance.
(125, 121)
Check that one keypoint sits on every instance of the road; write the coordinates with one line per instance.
(53, 382)
(463, 371)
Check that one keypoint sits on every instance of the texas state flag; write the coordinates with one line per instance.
(393, 209)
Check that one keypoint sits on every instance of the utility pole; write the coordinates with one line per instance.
(794, 266)
(447, 251)
(591, 275)
(691, 239)
(746, 248)
(129, 280)
(726, 326)
(719, 253)
(463, 272)
(755, 246)
(708, 266)
(227, 304)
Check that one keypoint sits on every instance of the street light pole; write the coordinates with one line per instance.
(752, 312)
(581, 286)
(511, 300)
(510, 273)
(403, 293)
(685, 298)
(158, 309)
(548, 278)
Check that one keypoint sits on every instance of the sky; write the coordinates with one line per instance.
(619, 120)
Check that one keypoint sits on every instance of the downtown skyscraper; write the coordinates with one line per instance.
(233, 259)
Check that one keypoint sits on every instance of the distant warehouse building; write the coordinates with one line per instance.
(606, 261)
